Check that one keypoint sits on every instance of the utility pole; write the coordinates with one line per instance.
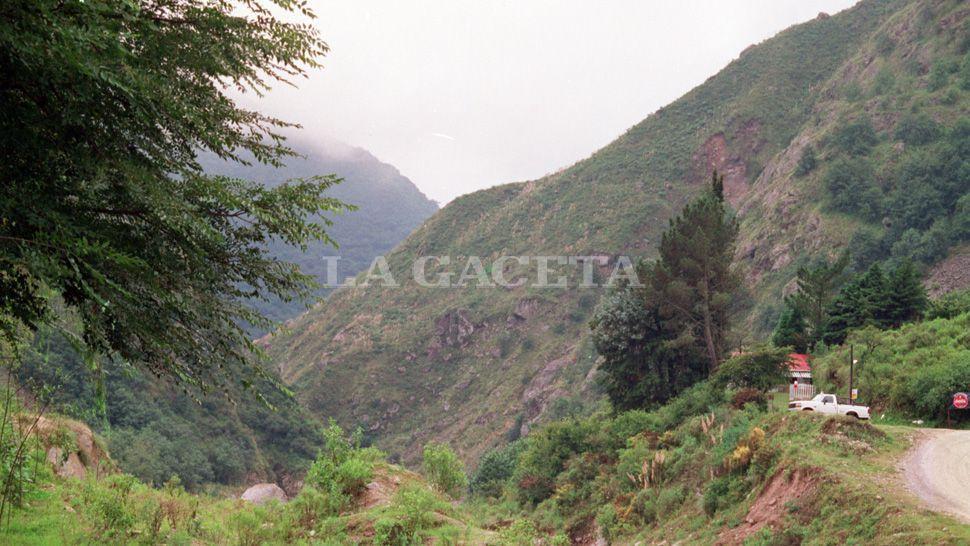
(851, 371)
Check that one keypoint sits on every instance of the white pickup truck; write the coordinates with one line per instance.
(829, 403)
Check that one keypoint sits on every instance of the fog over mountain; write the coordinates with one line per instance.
(463, 96)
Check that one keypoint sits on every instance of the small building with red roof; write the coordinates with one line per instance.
(799, 377)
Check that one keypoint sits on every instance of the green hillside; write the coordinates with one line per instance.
(389, 207)
(477, 366)
(156, 430)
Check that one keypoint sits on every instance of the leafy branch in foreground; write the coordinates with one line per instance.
(103, 203)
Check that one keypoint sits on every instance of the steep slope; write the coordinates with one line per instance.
(389, 207)
(476, 365)
(154, 429)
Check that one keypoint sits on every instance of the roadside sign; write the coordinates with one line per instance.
(960, 400)
(855, 394)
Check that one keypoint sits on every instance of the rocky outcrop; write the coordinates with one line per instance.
(452, 330)
(72, 448)
(262, 493)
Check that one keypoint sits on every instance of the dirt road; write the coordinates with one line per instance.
(938, 471)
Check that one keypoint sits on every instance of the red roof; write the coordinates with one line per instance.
(798, 362)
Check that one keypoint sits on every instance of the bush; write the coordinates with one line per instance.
(856, 137)
(917, 129)
(949, 305)
(848, 182)
(545, 456)
(761, 368)
(807, 162)
(342, 469)
(522, 532)
(747, 396)
(444, 470)
(495, 469)
(407, 519)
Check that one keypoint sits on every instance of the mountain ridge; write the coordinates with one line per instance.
(388, 360)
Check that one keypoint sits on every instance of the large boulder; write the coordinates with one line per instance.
(73, 450)
(264, 492)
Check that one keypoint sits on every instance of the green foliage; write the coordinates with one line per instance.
(792, 330)
(343, 468)
(545, 456)
(658, 339)
(849, 182)
(855, 137)
(104, 203)
(917, 129)
(807, 162)
(155, 430)
(759, 368)
(874, 298)
(495, 469)
(409, 517)
(816, 286)
(912, 370)
(949, 305)
(444, 470)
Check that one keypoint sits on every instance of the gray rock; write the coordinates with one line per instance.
(264, 492)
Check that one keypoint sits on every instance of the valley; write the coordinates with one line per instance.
(218, 328)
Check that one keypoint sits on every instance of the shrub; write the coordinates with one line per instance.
(444, 470)
(545, 456)
(949, 305)
(409, 516)
(495, 469)
(807, 162)
(342, 469)
(848, 182)
(108, 505)
(608, 522)
(521, 532)
(917, 129)
(856, 137)
(761, 368)
(747, 396)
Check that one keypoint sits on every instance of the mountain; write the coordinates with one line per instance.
(845, 132)
(155, 429)
(389, 207)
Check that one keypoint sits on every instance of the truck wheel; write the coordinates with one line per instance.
(808, 409)
(853, 414)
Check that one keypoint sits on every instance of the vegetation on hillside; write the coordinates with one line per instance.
(105, 209)
(156, 431)
(840, 86)
(703, 469)
(338, 504)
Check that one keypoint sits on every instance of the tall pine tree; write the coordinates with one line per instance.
(816, 288)
(658, 339)
(791, 330)
(694, 274)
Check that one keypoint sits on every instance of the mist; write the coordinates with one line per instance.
(460, 96)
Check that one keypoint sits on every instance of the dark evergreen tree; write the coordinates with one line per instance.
(816, 288)
(906, 296)
(658, 339)
(791, 330)
(694, 274)
(644, 363)
(877, 299)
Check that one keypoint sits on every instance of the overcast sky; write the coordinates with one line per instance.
(462, 95)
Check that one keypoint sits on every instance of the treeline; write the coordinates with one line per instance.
(826, 306)
(156, 430)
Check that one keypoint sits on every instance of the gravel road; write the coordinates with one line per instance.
(938, 471)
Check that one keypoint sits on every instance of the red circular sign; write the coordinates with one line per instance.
(960, 400)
